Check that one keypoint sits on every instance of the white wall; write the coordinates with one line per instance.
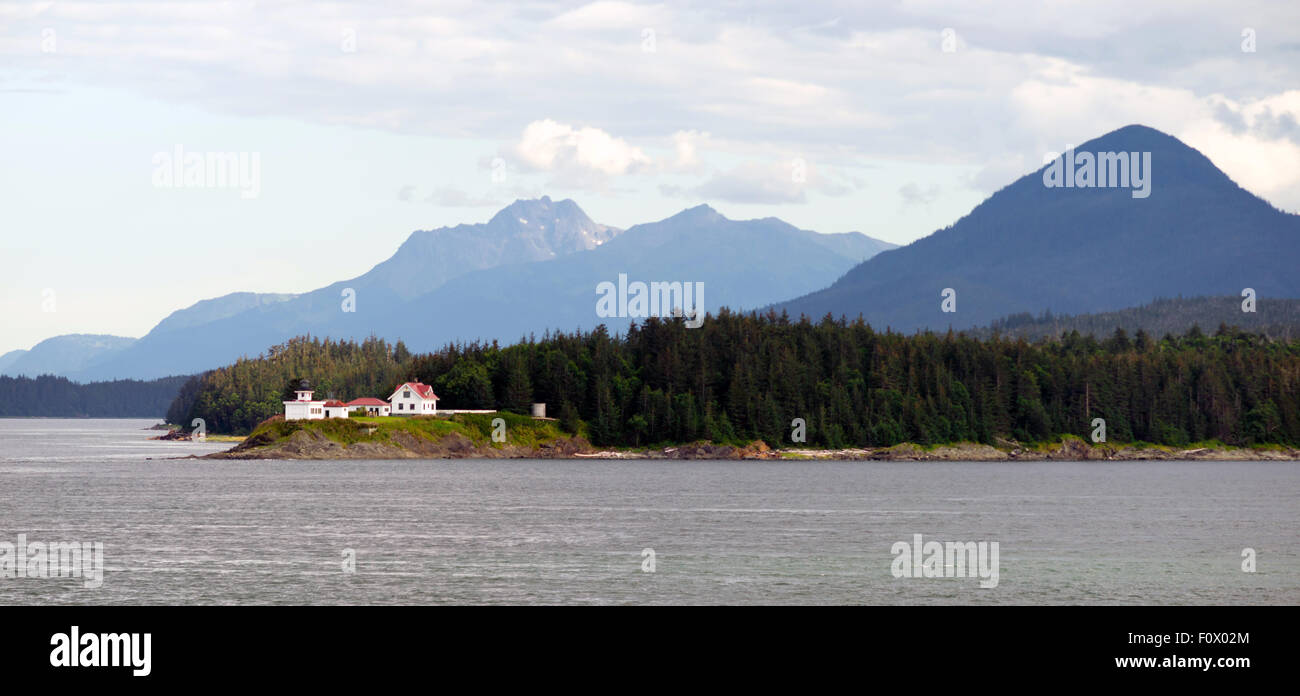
(304, 410)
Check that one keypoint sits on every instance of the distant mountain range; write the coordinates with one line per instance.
(1030, 248)
(1189, 231)
(741, 264)
(534, 266)
(1274, 317)
(62, 354)
(217, 332)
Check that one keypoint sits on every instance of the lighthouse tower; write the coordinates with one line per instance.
(304, 406)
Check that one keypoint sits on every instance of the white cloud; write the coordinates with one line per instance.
(766, 182)
(583, 157)
(1263, 155)
(834, 80)
(686, 147)
(607, 15)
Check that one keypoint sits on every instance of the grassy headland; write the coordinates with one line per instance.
(397, 437)
(471, 436)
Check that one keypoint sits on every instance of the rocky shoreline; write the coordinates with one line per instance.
(1069, 450)
(309, 445)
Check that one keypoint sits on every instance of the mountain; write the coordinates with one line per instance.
(1030, 248)
(9, 358)
(170, 347)
(1274, 317)
(526, 230)
(854, 244)
(206, 311)
(63, 354)
(742, 264)
(216, 332)
(534, 266)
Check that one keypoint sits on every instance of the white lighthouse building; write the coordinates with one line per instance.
(304, 407)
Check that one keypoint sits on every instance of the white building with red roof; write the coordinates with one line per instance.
(414, 399)
(336, 409)
(371, 406)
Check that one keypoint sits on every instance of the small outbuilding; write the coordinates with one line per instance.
(370, 406)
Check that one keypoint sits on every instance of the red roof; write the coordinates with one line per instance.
(367, 401)
(420, 388)
(334, 404)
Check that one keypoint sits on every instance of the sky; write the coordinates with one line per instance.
(350, 125)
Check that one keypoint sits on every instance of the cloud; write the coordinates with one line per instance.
(1256, 143)
(550, 146)
(838, 79)
(686, 146)
(755, 183)
(1271, 125)
(765, 182)
(605, 16)
(913, 194)
(450, 197)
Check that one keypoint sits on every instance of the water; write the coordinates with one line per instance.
(572, 532)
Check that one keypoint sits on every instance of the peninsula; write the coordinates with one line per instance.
(471, 436)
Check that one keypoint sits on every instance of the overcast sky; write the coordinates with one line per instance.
(370, 120)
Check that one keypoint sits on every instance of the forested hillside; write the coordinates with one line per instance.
(1273, 317)
(745, 377)
(235, 398)
(56, 397)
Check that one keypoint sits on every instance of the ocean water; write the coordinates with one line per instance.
(179, 531)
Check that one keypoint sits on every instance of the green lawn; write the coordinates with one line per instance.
(522, 431)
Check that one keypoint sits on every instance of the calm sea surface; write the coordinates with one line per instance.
(572, 532)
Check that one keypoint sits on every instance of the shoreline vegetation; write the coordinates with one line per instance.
(843, 386)
(469, 436)
(48, 396)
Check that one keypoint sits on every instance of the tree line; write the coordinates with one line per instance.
(742, 377)
(57, 397)
(1274, 317)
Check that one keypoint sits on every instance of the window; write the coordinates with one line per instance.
(406, 394)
